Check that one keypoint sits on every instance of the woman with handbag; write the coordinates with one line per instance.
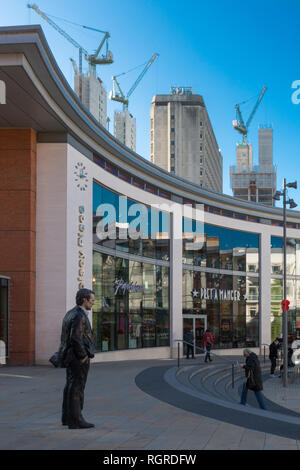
(254, 380)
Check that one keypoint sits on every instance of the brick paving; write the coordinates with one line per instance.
(125, 417)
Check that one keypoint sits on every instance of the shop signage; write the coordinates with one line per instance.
(2, 92)
(218, 294)
(81, 255)
(120, 285)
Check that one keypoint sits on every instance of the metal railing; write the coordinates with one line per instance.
(233, 364)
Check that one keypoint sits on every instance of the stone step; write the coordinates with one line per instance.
(215, 379)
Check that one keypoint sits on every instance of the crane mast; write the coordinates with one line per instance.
(92, 59)
(239, 124)
(120, 97)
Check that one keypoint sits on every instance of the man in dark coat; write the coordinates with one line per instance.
(254, 379)
(189, 338)
(75, 351)
(273, 355)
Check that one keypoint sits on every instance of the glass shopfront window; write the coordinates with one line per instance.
(125, 225)
(212, 246)
(131, 307)
(252, 253)
(292, 286)
(239, 251)
(252, 311)
(215, 247)
(292, 256)
(230, 303)
(276, 313)
(239, 332)
(225, 248)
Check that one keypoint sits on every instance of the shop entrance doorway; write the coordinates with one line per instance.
(198, 324)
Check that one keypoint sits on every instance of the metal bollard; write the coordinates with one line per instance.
(178, 347)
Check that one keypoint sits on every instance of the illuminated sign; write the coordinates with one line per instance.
(120, 285)
(218, 294)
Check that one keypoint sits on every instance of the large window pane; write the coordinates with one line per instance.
(108, 279)
(108, 332)
(276, 255)
(239, 251)
(187, 287)
(225, 313)
(212, 246)
(212, 307)
(252, 312)
(149, 328)
(115, 216)
(239, 314)
(298, 257)
(276, 313)
(134, 331)
(252, 252)
(291, 256)
(225, 248)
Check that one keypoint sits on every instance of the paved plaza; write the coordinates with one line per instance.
(134, 409)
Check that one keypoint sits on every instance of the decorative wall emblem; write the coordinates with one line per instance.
(81, 176)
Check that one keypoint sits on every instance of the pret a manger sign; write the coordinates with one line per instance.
(218, 294)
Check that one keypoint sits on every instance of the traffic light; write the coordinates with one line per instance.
(285, 304)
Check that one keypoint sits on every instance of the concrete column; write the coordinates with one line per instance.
(175, 281)
(265, 288)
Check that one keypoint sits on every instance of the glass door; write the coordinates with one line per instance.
(198, 324)
(188, 325)
(200, 327)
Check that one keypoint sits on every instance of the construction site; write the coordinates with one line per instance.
(90, 88)
(255, 183)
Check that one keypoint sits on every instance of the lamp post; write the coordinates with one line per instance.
(285, 305)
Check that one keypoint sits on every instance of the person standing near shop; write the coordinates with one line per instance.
(207, 343)
(76, 350)
(273, 355)
(189, 338)
(254, 379)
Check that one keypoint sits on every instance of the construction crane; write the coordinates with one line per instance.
(119, 96)
(239, 124)
(92, 59)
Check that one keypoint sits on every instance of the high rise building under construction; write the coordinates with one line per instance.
(256, 183)
(94, 95)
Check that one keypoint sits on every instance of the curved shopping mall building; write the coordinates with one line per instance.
(161, 254)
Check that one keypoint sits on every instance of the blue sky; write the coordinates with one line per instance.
(226, 50)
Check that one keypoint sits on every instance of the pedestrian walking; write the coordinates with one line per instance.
(189, 338)
(273, 355)
(76, 350)
(254, 379)
(207, 343)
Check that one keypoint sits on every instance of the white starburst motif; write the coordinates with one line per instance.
(194, 293)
